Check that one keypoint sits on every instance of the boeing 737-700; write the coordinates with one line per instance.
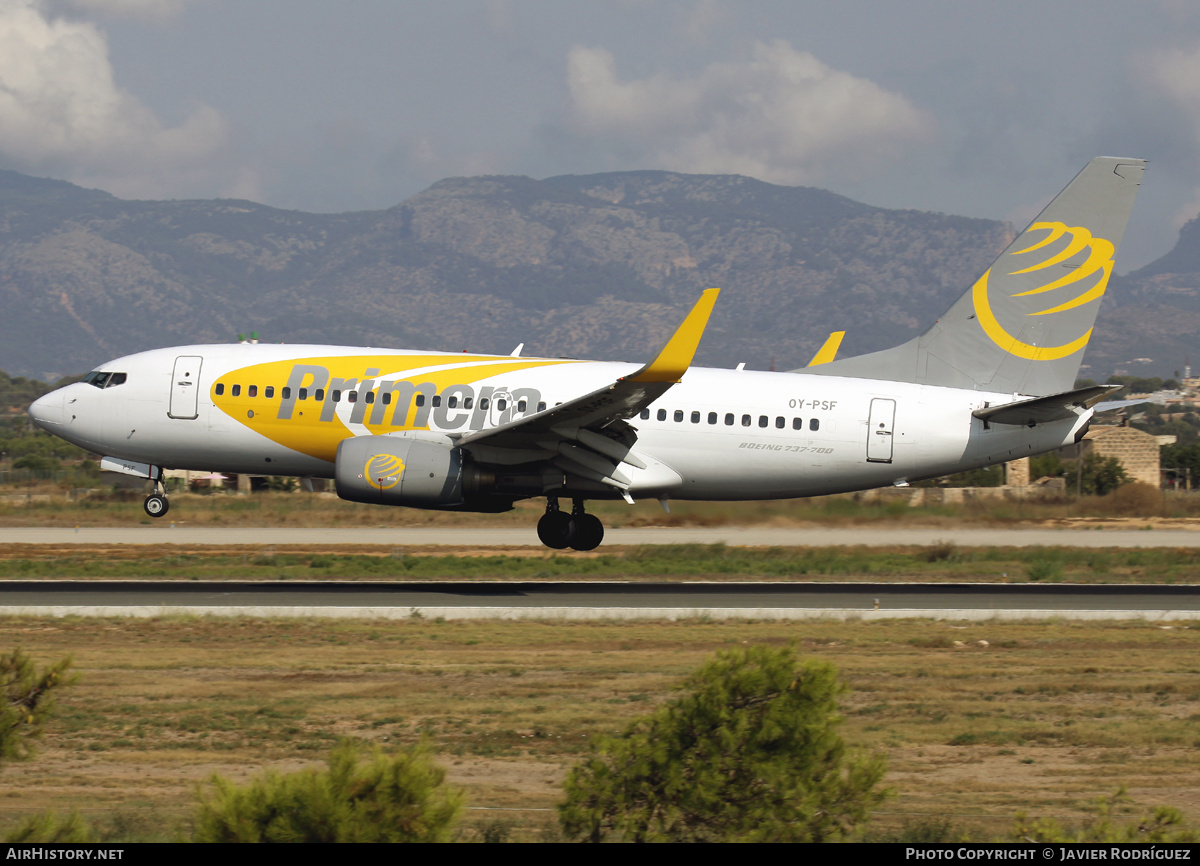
(991, 381)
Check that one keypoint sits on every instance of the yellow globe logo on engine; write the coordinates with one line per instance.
(1099, 263)
(383, 471)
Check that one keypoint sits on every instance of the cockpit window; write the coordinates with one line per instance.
(102, 379)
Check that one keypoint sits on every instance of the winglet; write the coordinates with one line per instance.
(675, 358)
(829, 351)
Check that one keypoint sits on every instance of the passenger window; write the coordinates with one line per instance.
(745, 420)
(712, 417)
(420, 400)
(662, 414)
(115, 380)
(387, 398)
(483, 403)
(335, 394)
(797, 423)
(645, 415)
(370, 397)
(541, 407)
(270, 392)
(220, 389)
(303, 395)
(451, 402)
(236, 391)
(318, 396)
(728, 419)
(468, 402)
(521, 406)
(287, 392)
(251, 390)
(780, 422)
(678, 415)
(814, 424)
(501, 404)
(351, 396)
(437, 401)
(695, 417)
(763, 420)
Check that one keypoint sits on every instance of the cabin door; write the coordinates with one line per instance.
(185, 387)
(879, 430)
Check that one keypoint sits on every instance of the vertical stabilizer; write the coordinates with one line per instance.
(1023, 326)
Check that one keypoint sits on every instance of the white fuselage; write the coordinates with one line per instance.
(717, 434)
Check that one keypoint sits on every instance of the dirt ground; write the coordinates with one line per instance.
(1041, 718)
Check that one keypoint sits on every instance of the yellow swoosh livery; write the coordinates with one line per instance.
(383, 471)
(1093, 273)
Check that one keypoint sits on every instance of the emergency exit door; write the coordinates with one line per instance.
(879, 430)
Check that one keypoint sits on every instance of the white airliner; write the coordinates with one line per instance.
(991, 381)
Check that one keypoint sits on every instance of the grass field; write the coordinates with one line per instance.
(47, 506)
(715, 562)
(1039, 717)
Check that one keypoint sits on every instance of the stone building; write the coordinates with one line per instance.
(1136, 450)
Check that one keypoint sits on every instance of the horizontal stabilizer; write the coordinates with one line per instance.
(1113, 405)
(1043, 410)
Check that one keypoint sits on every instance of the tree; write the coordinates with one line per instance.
(388, 798)
(1102, 475)
(28, 701)
(749, 751)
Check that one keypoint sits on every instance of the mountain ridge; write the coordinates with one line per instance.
(599, 265)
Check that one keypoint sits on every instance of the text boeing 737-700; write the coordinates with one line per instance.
(991, 381)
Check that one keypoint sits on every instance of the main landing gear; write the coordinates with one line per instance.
(577, 530)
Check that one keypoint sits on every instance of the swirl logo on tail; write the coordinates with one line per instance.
(383, 471)
(1099, 263)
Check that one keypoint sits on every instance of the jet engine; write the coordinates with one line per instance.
(402, 470)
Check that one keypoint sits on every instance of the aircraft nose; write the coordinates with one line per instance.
(47, 411)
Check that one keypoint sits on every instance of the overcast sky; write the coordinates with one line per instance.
(969, 108)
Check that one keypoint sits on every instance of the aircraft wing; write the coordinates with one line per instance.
(588, 436)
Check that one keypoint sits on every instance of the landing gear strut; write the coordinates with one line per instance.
(589, 531)
(578, 530)
(156, 504)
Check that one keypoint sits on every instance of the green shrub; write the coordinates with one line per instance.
(388, 798)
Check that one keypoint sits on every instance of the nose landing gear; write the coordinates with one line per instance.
(156, 504)
(577, 530)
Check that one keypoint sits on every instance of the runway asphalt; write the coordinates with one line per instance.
(596, 600)
(166, 533)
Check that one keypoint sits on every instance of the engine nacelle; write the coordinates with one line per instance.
(400, 470)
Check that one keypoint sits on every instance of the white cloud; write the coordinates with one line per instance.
(1176, 74)
(62, 113)
(781, 116)
(125, 8)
